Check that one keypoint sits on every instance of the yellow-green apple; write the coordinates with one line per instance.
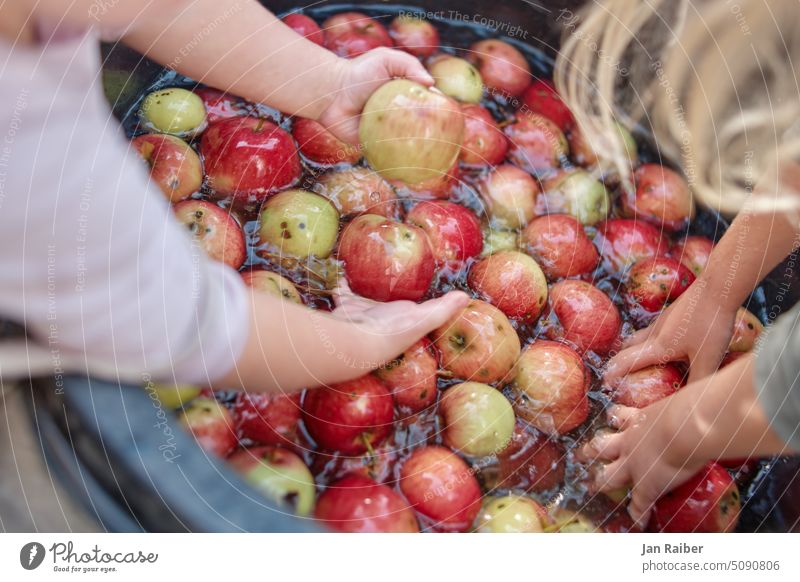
(511, 514)
(299, 224)
(173, 110)
(457, 78)
(574, 192)
(477, 419)
(272, 283)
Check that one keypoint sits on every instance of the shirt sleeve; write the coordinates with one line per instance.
(777, 375)
(94, 264)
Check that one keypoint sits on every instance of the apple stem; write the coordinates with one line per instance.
(444, 373)
(259, 126)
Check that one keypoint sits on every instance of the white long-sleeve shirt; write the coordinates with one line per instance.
(92, 262)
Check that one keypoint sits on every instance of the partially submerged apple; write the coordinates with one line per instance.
(477, 419)
(174, 165)
(574, 192)
(299, 224)
(457, 78)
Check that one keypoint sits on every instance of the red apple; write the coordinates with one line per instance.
(512, 282)
(510, 196)
(503, 68)
(693, 252)
(746, 329)
(536, 144)
(267, 419)
(560, 246)
(476, 418)
(622, 242)
(441, 487)
(386, 260)
(484, 143)
(357, 504)
(414, 35)
(304, 26)
(531, 461)
(662, 198)
(644, 387)
(652, 284)
(588, 317)
(272, 283)
(550, 387)
(453, 230)
(585, 154)
(378, 464)
(411, 377)
(320, 146)
(211, 424)
(358, 190)
(574, 192)
(541, 98)
(478, 344)
(249, 158)
(349, 417)
(709, 502)
(174, 166)
(350, 34)
(221, 105)
(279, 475)
(215, 230)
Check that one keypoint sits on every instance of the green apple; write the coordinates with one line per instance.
(496, 239)
(478, 420)
(299, 223)
(511, 514)
(175, 111)
(172, 396)
(578, 193)
(457, 78)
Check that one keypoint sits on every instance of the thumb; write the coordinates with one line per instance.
(437, 312)
(632, 359)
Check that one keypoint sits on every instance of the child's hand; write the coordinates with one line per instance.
(391, 328)
(358, 79)
(697, 328)
(645, 454)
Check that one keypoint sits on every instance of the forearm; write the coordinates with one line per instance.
(721, 417)
(240, 47)
(291, 347)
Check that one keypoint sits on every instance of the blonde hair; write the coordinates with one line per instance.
(712, 81)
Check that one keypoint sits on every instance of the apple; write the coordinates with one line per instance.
(478, 344)
(174, 165)
(531, 462)
(220, 105)
(662, 197)
(278, 474)
(550, 387)
(172, 396)
(509, 194)
(349, 34)
(320, 146)
(386, 260)
(415, 35)
(440, 186)
(357, 504)
(652, 284)
(709, 502)
(484, 142)
(622, 242)
(272, 283)
(536, 144)
(497, 239)
(644, 387)
(457, 78)
(214, 230)
(588, 317)
(503, 68)
(211, 424)
(542, 98)
(560, 246)
(299, 224)
(511, 281)
(477, 419)
(693, 252)
(249, 158)
(305, 26)
(350, 417)
(453, 230)
(511, 514)
(574, 192)
(267, 419)
(585, 154)
(174, 111)
(440, 486)
(411, 377)
(411, 133)
(357, 190)
(377, 464)
(746, 329)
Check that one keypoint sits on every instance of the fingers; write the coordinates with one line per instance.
(640, 507)
(621, 417)
(702, 365)
(613, 476)
(342, 292)
(638, 337)
(436, 312)
(400, 64)
(605, 446)
(632, 359)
